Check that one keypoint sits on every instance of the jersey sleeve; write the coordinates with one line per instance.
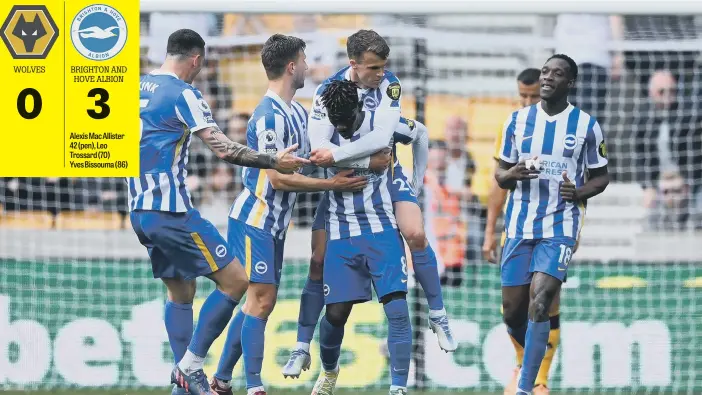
(320, 131)
(270, 131)
(406, 131)
(193, 111)
(498, 144)
(508, 147)
(595, 148)
(387, 116)
(420, 155)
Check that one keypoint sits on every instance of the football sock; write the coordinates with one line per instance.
(399, 340)
(252, 342)
(232, 348)
(330, 338)
(214, 316)
(311, 305)
(554, 337)
(178, 318)
(534, 350)
(427, 273)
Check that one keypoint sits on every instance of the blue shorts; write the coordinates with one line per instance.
(259, 252)
(352, 264)
(522, 257)
(181, 245)
(401, 189)
(320, 216)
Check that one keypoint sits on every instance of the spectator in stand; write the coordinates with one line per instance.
(668, 138)
(672, 209)
(446, 224)
(575, 35)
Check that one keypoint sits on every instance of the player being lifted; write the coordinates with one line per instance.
(368, 52)
(181, 244)
(543, 147)
(260, 215)
(528, 87)
(364, 245)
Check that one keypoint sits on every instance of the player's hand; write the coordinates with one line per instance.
(490, 248)
(344, 181)
(380, 161)
(322, 157)
(287, 163)
(567, 189)
(523, 171)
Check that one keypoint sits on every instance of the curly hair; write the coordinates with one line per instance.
(340, 97)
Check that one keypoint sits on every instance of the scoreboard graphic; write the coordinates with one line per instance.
(71, 75)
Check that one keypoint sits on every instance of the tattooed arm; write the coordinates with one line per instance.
(235, 153)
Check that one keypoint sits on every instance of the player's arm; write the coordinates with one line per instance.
(387, 116)
(511, 169)
(596, 164)
(320, 132)
(270, 131)
(419, 138)
(496, 195)
(195, 113)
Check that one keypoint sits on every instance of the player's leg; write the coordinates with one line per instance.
(514, 270)
(554, 337)
(549, 265)
(410, 221)
(388, 268)
(346, 281)
(216, 311)
(192, 247)
(178, 310)
(262, 259)
(312, 299)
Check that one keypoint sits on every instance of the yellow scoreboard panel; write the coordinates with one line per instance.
(69, 101)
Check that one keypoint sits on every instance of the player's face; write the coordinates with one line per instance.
(299, 71)
(555, 81)
(528, 94)
(370, 69)
(348, 120)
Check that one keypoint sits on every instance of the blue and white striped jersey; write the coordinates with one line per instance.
(363, 212)
(384, 101)
(571, 141)
(274, 126)
(368, 211)
(171, 110)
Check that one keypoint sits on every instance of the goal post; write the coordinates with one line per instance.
(79, 306)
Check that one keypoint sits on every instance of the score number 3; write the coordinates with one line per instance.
(100, 102)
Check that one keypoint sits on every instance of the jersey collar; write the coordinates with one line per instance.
(278, 100)
(555, 116)
(161, 72)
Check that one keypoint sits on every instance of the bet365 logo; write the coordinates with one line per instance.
(29, 32)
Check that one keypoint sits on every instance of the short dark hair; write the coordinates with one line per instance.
(185, 42)
(340, 97)
(571, 64)
(366, 41)
(278, 51)
(529, 76)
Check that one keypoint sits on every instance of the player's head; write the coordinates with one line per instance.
(557, 77)
(284, 57)
(368, 53)
(528, 87)
(187, 48)
(340, 98)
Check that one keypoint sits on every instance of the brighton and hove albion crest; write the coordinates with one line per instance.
(99, 32)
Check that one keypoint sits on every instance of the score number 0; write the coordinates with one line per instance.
(95, 92)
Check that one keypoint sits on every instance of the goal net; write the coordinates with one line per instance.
(79, 306)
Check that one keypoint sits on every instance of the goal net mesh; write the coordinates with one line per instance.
(79, 306)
